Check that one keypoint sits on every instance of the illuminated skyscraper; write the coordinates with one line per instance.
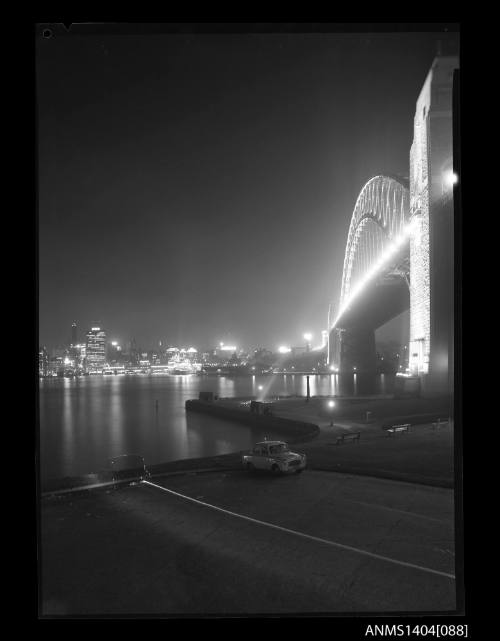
(74, 338)
(43, 362)
(96, 349)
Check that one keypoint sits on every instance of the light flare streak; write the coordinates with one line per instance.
(389, 253)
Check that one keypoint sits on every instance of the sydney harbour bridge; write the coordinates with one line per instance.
(399, 251)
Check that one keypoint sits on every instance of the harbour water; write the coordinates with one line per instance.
(85, 421)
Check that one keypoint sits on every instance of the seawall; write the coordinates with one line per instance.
(298, 430)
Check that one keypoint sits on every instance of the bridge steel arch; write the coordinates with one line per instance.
(414, 220)
(380, 217)
(381, 213)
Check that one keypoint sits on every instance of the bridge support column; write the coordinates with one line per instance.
(357, 351)
(431, 246)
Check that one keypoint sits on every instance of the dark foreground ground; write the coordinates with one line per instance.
(140, 550)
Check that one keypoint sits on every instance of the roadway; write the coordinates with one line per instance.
(345, 544)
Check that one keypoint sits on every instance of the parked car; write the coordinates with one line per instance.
(274, 456)
(128, 466)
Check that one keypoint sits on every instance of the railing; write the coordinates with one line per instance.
(439, 423)
(354, 436)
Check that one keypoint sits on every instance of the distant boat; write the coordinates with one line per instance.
(183, 367)
(183, 370)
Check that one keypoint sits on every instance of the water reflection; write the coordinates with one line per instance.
(227, 385)
(116, 420)
(333, 386)
(68, 432)
(214, 436)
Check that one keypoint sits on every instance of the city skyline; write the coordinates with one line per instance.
(222, 219)
(79, 335)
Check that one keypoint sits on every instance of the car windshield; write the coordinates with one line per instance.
(281, 448)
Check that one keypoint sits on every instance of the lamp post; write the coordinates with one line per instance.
(331, 405)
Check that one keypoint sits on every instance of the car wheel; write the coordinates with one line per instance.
(275, 469)
(250, 467)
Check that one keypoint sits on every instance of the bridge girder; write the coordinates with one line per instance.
(380, 215)
(374, 289)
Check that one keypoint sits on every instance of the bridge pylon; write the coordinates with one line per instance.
(432, 179)
(357, 351)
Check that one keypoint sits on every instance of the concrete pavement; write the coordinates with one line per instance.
(140, 550)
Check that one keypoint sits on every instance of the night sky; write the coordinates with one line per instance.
(198, 188)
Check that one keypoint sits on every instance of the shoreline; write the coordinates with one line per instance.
(301, 431)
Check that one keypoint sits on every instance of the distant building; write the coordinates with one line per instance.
(262, 357)
(96, 349)
(191, 354)
(133, 353)
(114, 352)
(43, 362)
(80, 354)
(55, 366)
(154, 358)
(224, 352)
(297, 351)
(74, 334)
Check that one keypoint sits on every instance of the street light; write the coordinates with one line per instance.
(451, 178)
(331, 405)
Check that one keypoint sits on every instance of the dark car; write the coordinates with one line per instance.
(129, 466)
